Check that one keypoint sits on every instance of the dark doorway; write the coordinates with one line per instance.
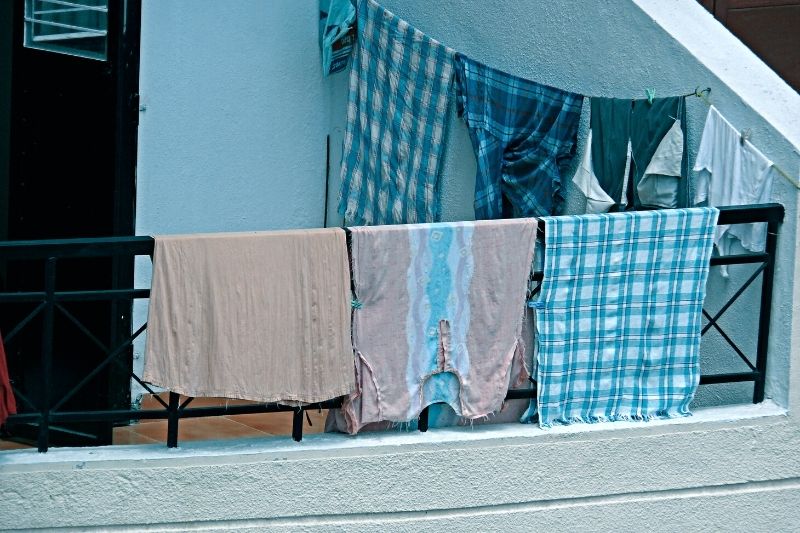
(770, 28)
(71, 174)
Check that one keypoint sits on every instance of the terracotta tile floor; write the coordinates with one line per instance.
(210, 428)
(11, 445)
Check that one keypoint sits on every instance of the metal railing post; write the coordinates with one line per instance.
(43, 440)
(172, 420)
(422, 423)
(297, 424)
(765, 313)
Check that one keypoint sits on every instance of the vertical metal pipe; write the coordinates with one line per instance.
(297, 424)
(47, 353)
(172, 420)
(766, 311)
(327, 179)
(422, 424)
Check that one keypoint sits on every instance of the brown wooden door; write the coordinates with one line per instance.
(771, 28)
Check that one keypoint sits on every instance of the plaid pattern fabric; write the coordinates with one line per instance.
(619, 314)
(524, 135)
(400, 85)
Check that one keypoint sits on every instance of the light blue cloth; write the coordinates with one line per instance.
(336, 21)
(400, 87)
(619, 314)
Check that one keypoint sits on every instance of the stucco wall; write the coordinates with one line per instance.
(233, 135)
(233, 138)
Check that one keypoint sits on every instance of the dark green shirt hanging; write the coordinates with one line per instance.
(639, 154)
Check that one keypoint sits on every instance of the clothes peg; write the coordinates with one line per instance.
(745, 135)
(651, 94)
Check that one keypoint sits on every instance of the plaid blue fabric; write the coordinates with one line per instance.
(619, 314)
(524, 135)
(400, 84)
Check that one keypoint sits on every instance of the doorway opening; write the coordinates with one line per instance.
(68, 132)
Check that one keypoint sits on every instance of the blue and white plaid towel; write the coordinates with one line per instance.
(400, 85)
(524, 135)
(619, 314)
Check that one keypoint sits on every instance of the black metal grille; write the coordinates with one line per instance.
(48, 302)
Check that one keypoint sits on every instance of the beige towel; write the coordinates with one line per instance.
(260, 316)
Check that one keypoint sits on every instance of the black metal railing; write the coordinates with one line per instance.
(47, 410)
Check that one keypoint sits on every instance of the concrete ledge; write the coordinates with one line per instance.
(328, 481)
(328, 444)
(728, 508)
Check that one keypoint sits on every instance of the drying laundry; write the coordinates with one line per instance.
(400, 85)
(636, 155)
(442, 415)
(261, 316)
(524, 135)
(439, 317)
(619, 314)
(8, 405)
(336, 34)
(732, 172)
(597, 200)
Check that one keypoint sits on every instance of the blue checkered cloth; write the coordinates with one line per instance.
(400, 86)
(524, 135)
(619, 314)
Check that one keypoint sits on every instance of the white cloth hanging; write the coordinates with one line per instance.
(732, 172)
(597, 200)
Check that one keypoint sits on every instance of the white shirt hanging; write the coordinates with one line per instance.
(661, 179)
(597, 200)
(732, 172)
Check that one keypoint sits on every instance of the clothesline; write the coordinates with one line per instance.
(524, 134)
(704, 94)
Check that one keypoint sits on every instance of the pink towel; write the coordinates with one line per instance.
(439, 317)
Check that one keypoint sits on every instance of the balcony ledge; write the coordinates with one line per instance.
(332, 444)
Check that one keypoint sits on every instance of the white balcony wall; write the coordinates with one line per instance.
(232, 137)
